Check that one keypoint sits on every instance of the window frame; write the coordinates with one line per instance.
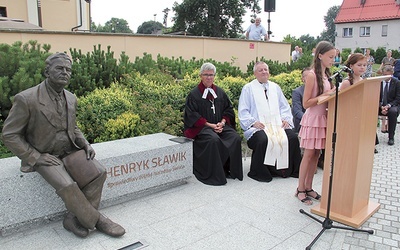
(347, 32)
(384, 32)
(365, 31)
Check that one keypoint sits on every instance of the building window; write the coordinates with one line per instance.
(384, 30)
(347, 32)
(3, 11)
(365, 31)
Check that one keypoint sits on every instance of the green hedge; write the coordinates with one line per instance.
(120, 98)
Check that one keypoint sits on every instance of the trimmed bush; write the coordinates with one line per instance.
(98, 107)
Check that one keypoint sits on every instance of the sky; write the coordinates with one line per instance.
(292, 17)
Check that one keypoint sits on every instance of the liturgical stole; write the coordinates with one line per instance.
(267, 106)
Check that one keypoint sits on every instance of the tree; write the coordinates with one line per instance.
(166, 12)
(330, 33)
(254, 7)
(149, 27)
(114, 25)
(308, 42)
(215, 18)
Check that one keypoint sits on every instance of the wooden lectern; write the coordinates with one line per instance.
(357, 113)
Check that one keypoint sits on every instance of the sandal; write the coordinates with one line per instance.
(306, 200)
(316, 197)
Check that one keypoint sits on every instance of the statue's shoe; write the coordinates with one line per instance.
(72, 224)
(105, 225)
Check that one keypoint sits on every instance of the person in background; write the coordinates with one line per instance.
(313, 52)
(255, 30)
(338, 58)
(267, 122)
(389, 100)
(41, 130)
(370, 62)
(313, 123)
(300, 53)
(209, 119)
(295, 54)
(387, 60)
(396, 69)
(297, 101)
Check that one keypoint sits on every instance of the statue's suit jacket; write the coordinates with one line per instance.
(31, 126)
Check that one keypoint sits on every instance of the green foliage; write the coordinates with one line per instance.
(329, 19)
(288, 82)
(179, 67)
(101, 105)
(380, 53)
(97, 69)
(215, 18)
(123, 126)
(303, 62)
(114, 25)
(149, 27)
(4, 152)
(358, 50)
(159, 103)
(345, 54)
(274, 66)
(21, 67)
(396, 54)
(233, 87)
(148, 96)
(253, 6)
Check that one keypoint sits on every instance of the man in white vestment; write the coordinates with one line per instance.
(266, 118)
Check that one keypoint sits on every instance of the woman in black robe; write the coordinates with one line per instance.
(209, 119)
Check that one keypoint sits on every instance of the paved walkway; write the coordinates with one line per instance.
(239, 215)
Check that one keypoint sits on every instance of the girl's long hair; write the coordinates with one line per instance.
(322, 48)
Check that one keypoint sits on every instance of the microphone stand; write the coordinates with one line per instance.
(328, 223)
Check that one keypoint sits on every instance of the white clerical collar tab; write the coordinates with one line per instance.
(205, 93)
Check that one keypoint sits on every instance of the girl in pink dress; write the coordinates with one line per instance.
(313, 124)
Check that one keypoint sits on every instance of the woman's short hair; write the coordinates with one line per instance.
(208, 66)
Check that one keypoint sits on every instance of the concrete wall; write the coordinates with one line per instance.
(236, 51)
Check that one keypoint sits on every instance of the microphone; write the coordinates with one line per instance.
(341, 69)
(346, 69)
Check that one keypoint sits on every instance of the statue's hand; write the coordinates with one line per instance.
(48, 160)
(89, 152)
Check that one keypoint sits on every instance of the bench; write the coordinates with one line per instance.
(135, 167)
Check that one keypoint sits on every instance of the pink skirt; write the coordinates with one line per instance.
(313, 131)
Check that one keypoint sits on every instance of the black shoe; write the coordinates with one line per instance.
(391, 142)
(320, 164)
(228, 175)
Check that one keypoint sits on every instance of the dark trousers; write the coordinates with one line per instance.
(392, 115)
(260, 172)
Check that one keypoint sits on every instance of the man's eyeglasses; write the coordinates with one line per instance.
(208, 75)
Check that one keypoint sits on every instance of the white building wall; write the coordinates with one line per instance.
(375, 40)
